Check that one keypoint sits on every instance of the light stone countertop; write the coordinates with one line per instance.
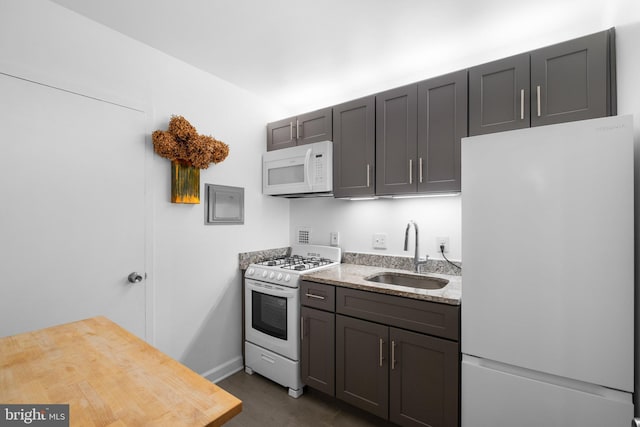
(353, 276)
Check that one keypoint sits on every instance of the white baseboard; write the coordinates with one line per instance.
(221, 372)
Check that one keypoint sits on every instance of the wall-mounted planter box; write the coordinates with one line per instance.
(185, 183)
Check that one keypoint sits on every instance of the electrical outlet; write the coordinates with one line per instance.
(380, 241)
(334, 238)
(442, 241)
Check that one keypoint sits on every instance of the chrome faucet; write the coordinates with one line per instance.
(417, 261)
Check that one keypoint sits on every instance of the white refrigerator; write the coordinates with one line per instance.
(548, 279)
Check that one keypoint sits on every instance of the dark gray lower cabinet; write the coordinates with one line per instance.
(409, 378)
(317, 340)
(423, 380)
(396, 357)
(362, 368)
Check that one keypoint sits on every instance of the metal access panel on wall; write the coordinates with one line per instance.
(223, 204)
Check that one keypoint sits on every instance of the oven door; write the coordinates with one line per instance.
(272, 314)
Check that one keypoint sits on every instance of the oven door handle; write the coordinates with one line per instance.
(268, 289)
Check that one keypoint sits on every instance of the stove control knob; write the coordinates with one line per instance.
(264, 274)
(272, 275)
(279, 276)
(287, 277)
(250, 272)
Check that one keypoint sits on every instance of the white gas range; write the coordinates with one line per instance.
(272, 312)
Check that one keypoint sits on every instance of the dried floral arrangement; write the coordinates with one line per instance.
(181, 142)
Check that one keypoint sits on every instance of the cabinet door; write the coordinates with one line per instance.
(314, 127)
(362, 377)
(281, 134)
(396, 140)
(424, 380)
(571, 80)
(354, 148)
(499, 95)
(442, 123)
(317, 338)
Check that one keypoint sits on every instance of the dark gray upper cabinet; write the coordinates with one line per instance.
(396, 140)
(354, 148)
(306, 128)
(281, 134)
(573, 80)
(442, 123)
(315, 127)
(418, 132)
(499, 95)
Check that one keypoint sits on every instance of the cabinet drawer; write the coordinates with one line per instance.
(318, 295)
(431, 318)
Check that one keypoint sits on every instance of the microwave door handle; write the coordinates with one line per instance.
(307, 169)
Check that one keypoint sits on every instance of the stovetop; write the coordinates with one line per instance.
(296, 262)
(286, 270)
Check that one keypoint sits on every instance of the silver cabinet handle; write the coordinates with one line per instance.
(410, 171)
(315, 296)
(301, 328)
(135, 277)
(290, 131)
(393, 355)
(368, 175)
(298, 136)
(538, 96)
(420, 169)
(521, 104)
(381, 358)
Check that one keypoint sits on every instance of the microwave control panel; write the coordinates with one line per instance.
(318, 176)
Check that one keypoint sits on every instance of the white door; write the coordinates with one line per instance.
(71, 209)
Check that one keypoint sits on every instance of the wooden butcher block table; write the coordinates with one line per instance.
(108, 377)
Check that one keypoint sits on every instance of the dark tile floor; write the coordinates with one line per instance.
(266, 404)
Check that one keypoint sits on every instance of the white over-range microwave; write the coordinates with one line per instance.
(301, 171)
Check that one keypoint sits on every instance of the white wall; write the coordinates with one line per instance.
(194, 277)
(358, 220)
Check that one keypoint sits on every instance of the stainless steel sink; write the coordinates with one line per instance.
(408, 280)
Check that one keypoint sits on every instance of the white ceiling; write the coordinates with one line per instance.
(306, 54)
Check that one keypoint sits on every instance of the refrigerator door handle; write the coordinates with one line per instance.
(544, 377)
